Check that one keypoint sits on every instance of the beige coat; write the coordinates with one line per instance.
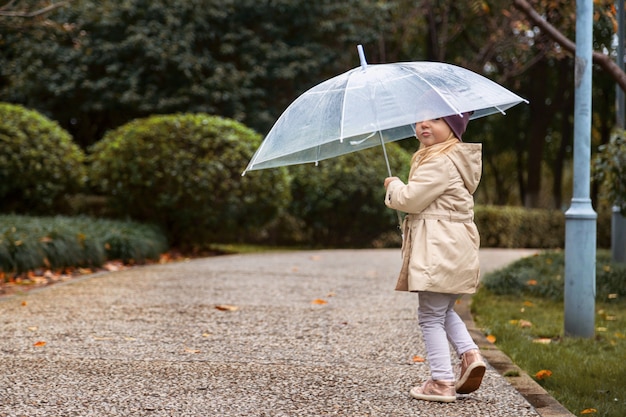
(441, 241)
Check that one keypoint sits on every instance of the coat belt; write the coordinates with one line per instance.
(451, 216)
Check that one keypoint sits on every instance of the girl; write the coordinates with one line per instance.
(440, 249)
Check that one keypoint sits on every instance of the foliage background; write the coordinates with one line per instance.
(94, 66)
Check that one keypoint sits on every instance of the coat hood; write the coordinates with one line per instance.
(467, 157)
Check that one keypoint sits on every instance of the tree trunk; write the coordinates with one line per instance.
(540, 119)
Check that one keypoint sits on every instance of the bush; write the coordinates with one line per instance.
(519, 227)
(28, 243)
(543, 276)
(341, 201)
(183, 173)
(609, 170)
(39, 163)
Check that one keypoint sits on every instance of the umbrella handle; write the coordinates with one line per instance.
(382, 142)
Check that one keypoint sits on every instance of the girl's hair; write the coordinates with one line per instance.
(424, 153)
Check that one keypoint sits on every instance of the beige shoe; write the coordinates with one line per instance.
(472, 371)
(442, 391)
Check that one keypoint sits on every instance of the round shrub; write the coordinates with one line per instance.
(183, 173)
(341, 201)
(40, 165)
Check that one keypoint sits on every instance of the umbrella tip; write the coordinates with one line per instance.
(362, 56)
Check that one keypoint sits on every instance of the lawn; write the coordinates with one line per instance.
(587, 376)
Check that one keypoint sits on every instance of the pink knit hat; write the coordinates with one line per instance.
(457, 123)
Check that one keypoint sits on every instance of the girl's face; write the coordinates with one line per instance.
(430, 132)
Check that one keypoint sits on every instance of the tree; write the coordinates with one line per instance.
(104, 63)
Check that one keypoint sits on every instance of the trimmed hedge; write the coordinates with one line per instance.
(341, 201)
(183, 173)
(40, 165)
(28, 243)
(519, 227)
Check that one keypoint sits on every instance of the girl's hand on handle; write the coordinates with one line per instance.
(390, 179)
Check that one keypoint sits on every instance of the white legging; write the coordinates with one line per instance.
(440, 324)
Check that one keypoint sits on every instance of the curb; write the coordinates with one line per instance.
(534, 393)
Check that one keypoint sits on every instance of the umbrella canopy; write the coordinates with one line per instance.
(374, 104)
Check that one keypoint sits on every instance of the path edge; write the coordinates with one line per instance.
(534, 393)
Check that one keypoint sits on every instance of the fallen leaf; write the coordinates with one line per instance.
(589, 411)
(612, 296)
(418, 358)
(226, 307)
(543, 340)
(330, 294)
(102, 338)
(543, 374)
(528, 304)
(113, 266)
(23, 303)
(531, 282)
(491, 338)
(525, 323)
(33, 328)
(40, 343)
(206, 334)
(514, 322)
(319, 301)
(601, 329)
(189, 350)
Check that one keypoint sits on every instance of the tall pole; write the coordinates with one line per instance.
(618, 222)
(580, 218)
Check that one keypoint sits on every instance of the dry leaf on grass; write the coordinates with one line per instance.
(543, 374)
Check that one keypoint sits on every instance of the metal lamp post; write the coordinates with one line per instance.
(618, 222)
(580, 218)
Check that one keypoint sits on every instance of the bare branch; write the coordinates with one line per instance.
(25, 14)
(604, 61)
(8, 5)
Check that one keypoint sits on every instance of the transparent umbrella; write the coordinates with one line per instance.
(374, 104)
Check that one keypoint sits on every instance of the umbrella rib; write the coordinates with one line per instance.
(434, 89)
(343, 104)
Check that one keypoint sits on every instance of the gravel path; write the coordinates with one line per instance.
(312, 333)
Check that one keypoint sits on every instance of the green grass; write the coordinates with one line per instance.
(527, 323)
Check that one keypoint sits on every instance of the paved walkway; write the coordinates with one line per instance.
(313, 333)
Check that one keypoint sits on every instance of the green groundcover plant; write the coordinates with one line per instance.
(29, 243)
(521, 308)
